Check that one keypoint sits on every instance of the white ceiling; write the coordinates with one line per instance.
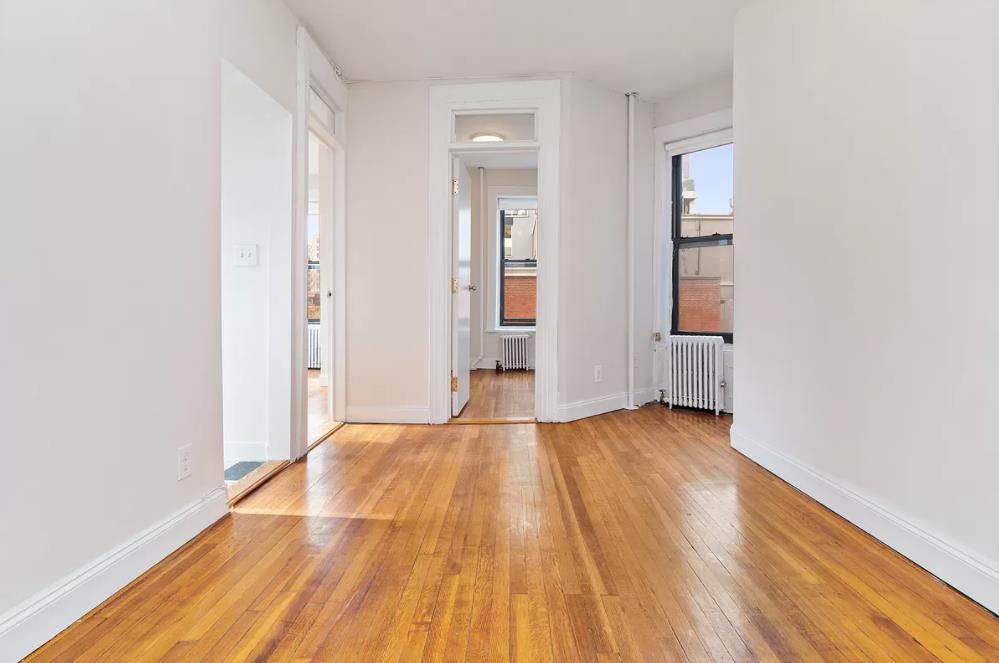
(654, 47)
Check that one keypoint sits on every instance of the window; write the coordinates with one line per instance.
(703, 245)
(518, 277)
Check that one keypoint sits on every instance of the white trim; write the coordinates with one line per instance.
(696, 133)
(696, 126)
(955, 566)
(34, 622)
(388, 414)
(545, 97)
(592, 407)
(315, 71)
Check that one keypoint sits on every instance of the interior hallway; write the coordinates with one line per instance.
(499, 394)
(631, 536)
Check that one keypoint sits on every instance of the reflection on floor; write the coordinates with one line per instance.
(496, 394)
(631, 536)
(243, 480)
(320, 417)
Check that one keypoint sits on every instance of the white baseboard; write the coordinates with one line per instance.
(959, 568)
(646, 395)
(34, 622)
(592, 407)
(388, 414)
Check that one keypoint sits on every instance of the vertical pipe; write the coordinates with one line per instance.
(632, 104)
(485, 227)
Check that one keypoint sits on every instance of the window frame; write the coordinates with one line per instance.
(676, 230)
(504, 323)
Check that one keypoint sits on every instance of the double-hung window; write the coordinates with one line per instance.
(703, 224)
(518, 267)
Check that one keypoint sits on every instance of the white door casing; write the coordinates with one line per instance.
(461, 296)
(543, 98)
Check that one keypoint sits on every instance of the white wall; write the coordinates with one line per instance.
(866, 175)
(387, 244)
(702, 99)
(109, 278)
(593, 243)
(645, 219)
(387, 266)
(256, 300)
(258, 36)
(486, 345)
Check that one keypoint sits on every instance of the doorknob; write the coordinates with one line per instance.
(329, 293)
(472, 287)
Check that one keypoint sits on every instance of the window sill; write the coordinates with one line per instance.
(507, 330)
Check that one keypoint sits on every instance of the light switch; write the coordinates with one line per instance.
(245, 255)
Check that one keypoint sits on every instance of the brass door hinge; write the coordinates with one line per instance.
(454, 384)
(454, 285)
(658, 337)
(454, 187)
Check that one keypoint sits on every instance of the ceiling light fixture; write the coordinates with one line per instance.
(487, 137)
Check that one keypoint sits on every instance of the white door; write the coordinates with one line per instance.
(461, 273)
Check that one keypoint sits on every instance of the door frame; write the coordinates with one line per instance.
(315, 72)
(543, 98)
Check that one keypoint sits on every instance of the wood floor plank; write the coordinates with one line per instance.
(633, 536)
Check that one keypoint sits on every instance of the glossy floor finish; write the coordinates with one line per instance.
(630, 536)
(497, 394)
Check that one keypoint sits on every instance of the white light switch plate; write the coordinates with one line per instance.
(245, 255)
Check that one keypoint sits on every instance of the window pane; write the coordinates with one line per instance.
(519, 286)
(706, 299)
(493, 127)
(312, 292)
(707, 192)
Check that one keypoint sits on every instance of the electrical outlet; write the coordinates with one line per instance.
(184, 461)
(598, 373)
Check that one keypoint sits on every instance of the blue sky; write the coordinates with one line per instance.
(711, 171)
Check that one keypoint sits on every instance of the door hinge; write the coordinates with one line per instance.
(454, 187)
(454, 285)
(454, 384)
(658, 337)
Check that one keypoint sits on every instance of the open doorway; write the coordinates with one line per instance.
(256, 221)
(321, 354)
(495, 267)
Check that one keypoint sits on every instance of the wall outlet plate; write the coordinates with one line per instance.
(184, 461)
(598, 373)
(245, 255)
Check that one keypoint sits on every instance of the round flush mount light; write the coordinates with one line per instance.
(487, 137)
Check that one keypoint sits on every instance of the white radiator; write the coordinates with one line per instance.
(515, 352)
(696, 372)
(315, 351)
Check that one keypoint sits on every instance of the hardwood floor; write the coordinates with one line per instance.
(630, 536)
(495, 394)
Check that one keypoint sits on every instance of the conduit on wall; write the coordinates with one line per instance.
(632, 104)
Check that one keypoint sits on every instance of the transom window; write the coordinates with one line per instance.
(703, 242)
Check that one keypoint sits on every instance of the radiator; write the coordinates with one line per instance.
(315, 351)
(515, 352)
(696, 372)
